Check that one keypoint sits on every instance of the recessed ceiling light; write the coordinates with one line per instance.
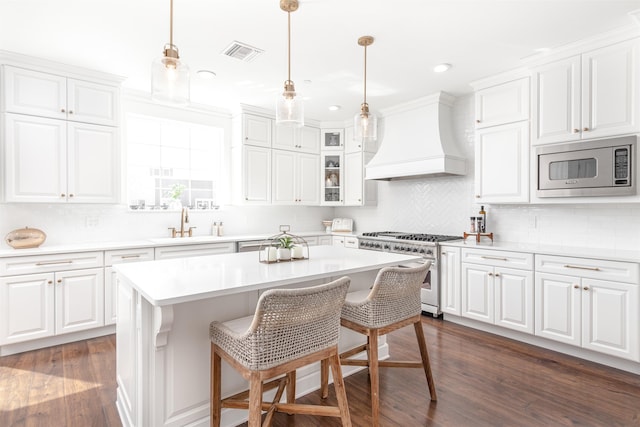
(334, 108)
(206, 74)
(441, 68)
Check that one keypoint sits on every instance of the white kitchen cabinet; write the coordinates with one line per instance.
(450, 285)
(56, 161)
(325, 240)
(357, 190)
(49, 95)
(497, 288)
(256, 130)
(332, 184)
(118, 256)
(255, 174)
(295, 178)
(332, 139)
(304, 140)
(502, 104)
(47, 295)
(592, 95)
(589, 303)
(181, 251)
(346, 241)
(502, 164)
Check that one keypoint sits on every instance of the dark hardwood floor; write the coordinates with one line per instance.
(481, 380)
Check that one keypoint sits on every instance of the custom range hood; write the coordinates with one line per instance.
(416, 141)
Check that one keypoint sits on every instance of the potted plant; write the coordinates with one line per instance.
(174, 194)
(285, 243)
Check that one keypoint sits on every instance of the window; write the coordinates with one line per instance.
(173, 163)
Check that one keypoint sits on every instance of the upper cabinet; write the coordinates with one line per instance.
(332, 139)
(304, 140)
(502, 104)
(60, 136)
(502, 143)
(592, 95)
(256, 130)
(49, 95)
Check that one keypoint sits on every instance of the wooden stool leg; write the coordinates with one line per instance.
(291, 387)
(422, 343)
(255, 400)
(374, 377)
(324, 379)
(341, 393)
(216, 380)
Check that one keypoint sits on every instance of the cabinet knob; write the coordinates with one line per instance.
(576, 287)
(71, 195)
(359, 200)
(477, 120)
(62, 110)
(586, 288)
(490, 274)
(63, 195)
(497, 274)
(359, 146)
(477, 196)
(586, 129)
(246, 198)
(576, 131)
(59, 280)
(50, 282)
(70, 111)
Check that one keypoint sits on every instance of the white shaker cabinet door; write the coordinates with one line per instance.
(35, 93)
(256, 130)
(26, 307)
(450, 280)
(93, 166)
(79, 300)
(35, 159)
(256, 170)
(92, 103)
(610, 318)
(514, 299)
(308, 179)
(558, 306)
(478, 292)
(502, 104)
(283, 187)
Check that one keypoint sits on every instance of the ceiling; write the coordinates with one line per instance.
(478, 37)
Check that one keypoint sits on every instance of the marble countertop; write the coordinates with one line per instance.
(145, 243)
(542, 249)
(174, 281)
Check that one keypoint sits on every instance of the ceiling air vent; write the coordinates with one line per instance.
(241, 51)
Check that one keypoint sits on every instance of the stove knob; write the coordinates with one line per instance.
(415, 249)
(377, 245)
(421, 251)
(396, 247)
(429, 252)
(402, 248)
(387, 247)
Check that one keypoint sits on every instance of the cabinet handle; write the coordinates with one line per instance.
(490, 274)
(576, 287)
(576, 131)
(70, 111)
(59, 280)
(493, 257)
(71, 195)
(68, 261)
(477, 120)
(497, 274)
(586, 129)
(62, 110)
(50, 282)
(586, 288)
(62, 195)
(582, 268)
(129, 256)
(477, 196)
(443, 254)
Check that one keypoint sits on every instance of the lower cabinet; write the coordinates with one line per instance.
(41, 305)
(449, 271)
(167, 252)
(493, 292)
(589, 303)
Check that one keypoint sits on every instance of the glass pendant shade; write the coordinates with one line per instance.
(365, 125)
(170, 78)
(290, 108)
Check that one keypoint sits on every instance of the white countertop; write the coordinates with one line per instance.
(181, 280)
(570, 251)
(145, 243)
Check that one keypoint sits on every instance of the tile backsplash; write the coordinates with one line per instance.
(443, 205)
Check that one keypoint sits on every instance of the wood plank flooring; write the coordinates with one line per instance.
(481, 380)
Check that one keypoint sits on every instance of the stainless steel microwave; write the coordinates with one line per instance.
(604, 167)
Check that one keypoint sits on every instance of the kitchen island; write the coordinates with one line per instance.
(164, 311)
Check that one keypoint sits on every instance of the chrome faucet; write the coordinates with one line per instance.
(184, 219)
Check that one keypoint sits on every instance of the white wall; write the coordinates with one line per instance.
(443, 205)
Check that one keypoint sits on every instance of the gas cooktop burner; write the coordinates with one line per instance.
(417, 237)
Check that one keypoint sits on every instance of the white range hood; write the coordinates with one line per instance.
(416, 140)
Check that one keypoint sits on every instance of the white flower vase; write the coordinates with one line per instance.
(175, 205)
(284, 254)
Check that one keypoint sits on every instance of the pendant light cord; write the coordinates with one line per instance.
(365, 74)
(288, 46)
(171, 23)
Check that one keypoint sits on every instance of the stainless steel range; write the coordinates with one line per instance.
(424, 245)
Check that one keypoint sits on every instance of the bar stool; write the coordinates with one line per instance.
(392, 303)
(291, 328)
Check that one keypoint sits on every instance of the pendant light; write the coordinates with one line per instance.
(169, 75)
(365, 122)
(289, 107)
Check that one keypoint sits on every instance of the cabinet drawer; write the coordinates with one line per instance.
(128, 255)
(351, 242)
(50, 263)
(626, 272)
(167, 252)
(498, 258)
(311, 240)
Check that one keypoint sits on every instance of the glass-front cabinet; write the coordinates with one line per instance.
(332, 178)
(332, 139)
